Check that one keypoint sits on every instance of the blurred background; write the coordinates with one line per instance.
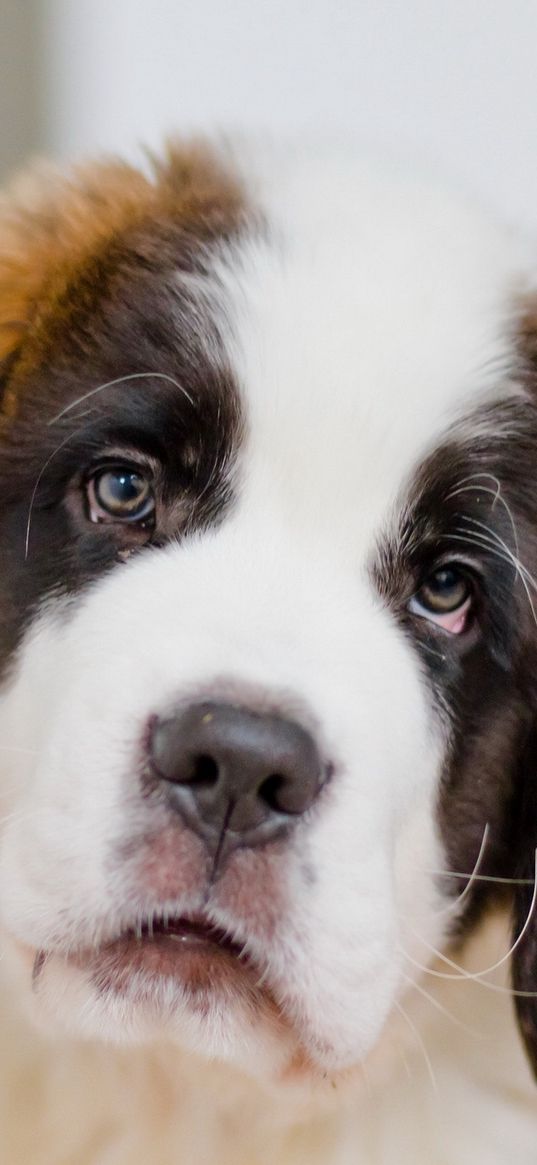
(450, 83)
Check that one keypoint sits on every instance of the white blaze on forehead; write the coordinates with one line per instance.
(368, 317)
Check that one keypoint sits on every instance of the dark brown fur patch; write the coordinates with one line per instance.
(477, 496)
(110, 342)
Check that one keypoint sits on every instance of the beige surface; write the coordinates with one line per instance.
(67, 1103)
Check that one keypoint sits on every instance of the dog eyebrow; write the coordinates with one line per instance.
(120, 380)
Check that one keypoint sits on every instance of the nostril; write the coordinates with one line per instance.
(205, 771)
(270, 791)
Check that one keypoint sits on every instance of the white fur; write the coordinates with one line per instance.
(374, 315)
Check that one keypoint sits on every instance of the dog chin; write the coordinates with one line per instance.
(98, 997)
(208, 1003)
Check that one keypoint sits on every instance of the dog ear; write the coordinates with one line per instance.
(524, 959)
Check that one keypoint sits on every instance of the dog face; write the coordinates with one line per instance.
(268, 528)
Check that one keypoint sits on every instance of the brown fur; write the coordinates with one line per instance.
(54, 229)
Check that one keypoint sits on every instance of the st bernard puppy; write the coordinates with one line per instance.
(268, 640)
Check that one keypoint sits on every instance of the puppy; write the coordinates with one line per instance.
(268, 524)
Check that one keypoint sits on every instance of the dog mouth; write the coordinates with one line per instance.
(190, 950)
(188, 932)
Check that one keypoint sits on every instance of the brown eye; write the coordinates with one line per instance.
(120, 494)
(445, 598)
(444, 591)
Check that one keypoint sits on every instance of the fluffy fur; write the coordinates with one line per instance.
(325, 377)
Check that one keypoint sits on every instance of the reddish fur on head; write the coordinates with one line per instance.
(55, 228)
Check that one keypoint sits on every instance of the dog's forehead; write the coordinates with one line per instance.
(367, 318)
(359, 314)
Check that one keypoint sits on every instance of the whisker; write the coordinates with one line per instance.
(419, 1041)
(489, 539)
(121, 380)
(440, 1006)
(455, 905)
(478, 976)
(480, 540)
(496, 541)
(496, 494)
(478, 877)
(37, 484)
(406, 1065)
(520, 936)
(463, 976)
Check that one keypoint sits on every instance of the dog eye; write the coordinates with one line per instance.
(120, 494)
(445, 598)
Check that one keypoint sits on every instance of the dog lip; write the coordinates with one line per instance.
(190, 930)
(187, 948)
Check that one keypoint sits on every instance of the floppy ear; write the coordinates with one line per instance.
(524, 960)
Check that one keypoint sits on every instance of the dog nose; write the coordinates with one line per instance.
(228, 768)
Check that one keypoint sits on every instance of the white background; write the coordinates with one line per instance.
(452, 83)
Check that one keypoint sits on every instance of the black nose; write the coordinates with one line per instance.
(227, 767)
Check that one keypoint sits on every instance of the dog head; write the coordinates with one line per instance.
(268, 524)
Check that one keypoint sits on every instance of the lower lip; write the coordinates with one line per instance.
(192, 961)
